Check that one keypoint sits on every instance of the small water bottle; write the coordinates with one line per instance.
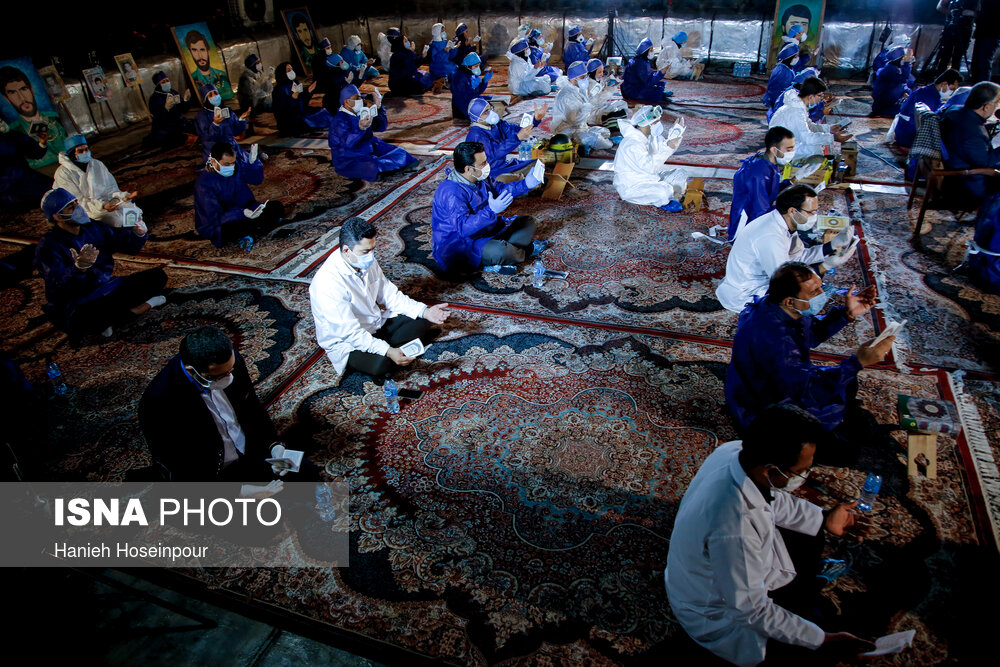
(539, 274)
(873, 483)
(247, 243)
(391, 396)
(56, 378)
(324, 503)
(524, 151)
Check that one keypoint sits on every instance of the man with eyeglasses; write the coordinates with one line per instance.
(767, 242)
(744, 553)
(203, 421)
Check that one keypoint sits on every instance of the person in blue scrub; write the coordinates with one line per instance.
(498, 137)
(405, 77)
(758, 180)
(169, 128)
(439, 53)
(462, 45)
(576, 47)
(984, 250)
(782, 74)
(538, 53)
(338, 75)
(890, 88)
(358, 61)
(468, 83)
(817, 112)
(934, 95)
(290, 103)
(796, 34)
(355, 151)
(21, 187)
(212, 126)
(640, 81)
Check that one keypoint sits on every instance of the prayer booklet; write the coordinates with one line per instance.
(414, 348)
(290, 459)
(893, 643)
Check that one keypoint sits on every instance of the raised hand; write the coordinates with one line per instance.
(500, 203)
(85, 258)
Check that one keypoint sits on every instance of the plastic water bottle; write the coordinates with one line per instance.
(324, 503)
(524, 151)
(539, 275)
(247, 243)
(391, 396)
(56, 378)
(873, 483)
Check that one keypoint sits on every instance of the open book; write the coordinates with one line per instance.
(286, 459)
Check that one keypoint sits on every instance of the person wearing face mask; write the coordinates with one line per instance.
(362, 319)
(359, 62)
(641, 81)
(169, 128)
(758, 180)
(904, 127)
(670, 59)
(605, 96)
(21, 187)
(573, 110)
(405, 76)
(211, 124)
(338, 75)
(538, 54)
(463, 45)
(523, 78)
(468, 231)
(818, 111)
(498, 137)
(355, 151)
(576, 47)
(641, 177)
(890, 88)
(810, 137)
(770, 240)
(781, 76)
(745, 553)
(439, 53)
(202, 419)
(468, 83)
(255, 86)
(87, 179)
(968, 144)
(291, 103)
(225, 208)
(771, 363)
(76, 260)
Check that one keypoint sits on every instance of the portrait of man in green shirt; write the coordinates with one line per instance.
(198, 46)
(17, 90)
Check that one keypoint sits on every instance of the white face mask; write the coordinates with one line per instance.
(485, 173)
(656, 129)
(809, 222)
(787, 157)
(291, 75)
(794, 482)
(583, 83)
(329, 52)
(492, 119)
(214, 385)
(948, 92)
(358, 106)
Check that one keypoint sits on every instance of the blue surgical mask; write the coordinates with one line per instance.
(364, 261)
(227, 170)
(165, 86)
(816, 304)
(79, 216)
(344, 65)
(215, 100)
(477, 71)
(406, 44)
(83, 158)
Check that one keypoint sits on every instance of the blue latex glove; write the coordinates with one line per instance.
(499, 204)
(488, 76)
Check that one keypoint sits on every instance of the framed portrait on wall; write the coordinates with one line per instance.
(26, 107)
(54, 84)
(97, 84)
(808, 14)
(201, 58)
(130, 71)
(300, 28)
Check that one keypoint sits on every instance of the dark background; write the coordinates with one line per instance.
(71, 31)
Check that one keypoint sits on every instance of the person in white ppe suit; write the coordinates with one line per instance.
(87, 179)
(604, 93)
(810, 137)
(573, 109)
(678, 67)
(767, 242)
(523, 78)
(384, 51)
(640, 175)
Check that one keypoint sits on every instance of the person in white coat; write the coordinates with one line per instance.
(523, 78)
(384, 51)
(640, 174)
(362, 319)
(87, 179)
(810, 137)
(678, 67)
(767, 242)
(604, 93)
(573, 109)
(744, 552)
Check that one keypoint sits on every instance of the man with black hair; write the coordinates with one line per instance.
(304, 38)
(904, 127)
(17, 90)
(964, 135)
(204, 74)
(734, 584)
(362, 319)
(810, 138)
(467, 230)
(771, 362)
(758, 180)
(796, 15)
(225, 208)
(202, 419)
(767, 242)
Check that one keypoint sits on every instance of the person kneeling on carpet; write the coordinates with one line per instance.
(640, 174)
(355, 151)
(224, 207)
(640, 81)
(573, 110)
(76, 260)
(362, 319)
(215, 123)
(291, 104)
(467, 230)
(743, 566)
(94, 187)
(499, 137)
(203, 421)
(771, 364)
(758, 181)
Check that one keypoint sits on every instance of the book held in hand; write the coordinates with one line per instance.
(288, 459)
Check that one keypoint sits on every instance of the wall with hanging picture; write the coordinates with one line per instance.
(201, 58)
(26, 107)
(788, 13)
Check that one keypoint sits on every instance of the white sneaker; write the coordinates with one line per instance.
(107, 333)
(156, 301)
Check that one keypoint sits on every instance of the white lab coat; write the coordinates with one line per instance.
(604, 99)
(570, 113)
(810, 138)
(640, 175)
(523, 79)
(92, 188)
(670, 54)
(760, 247)
(726, 554)
(349, 306)
(384, 50)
